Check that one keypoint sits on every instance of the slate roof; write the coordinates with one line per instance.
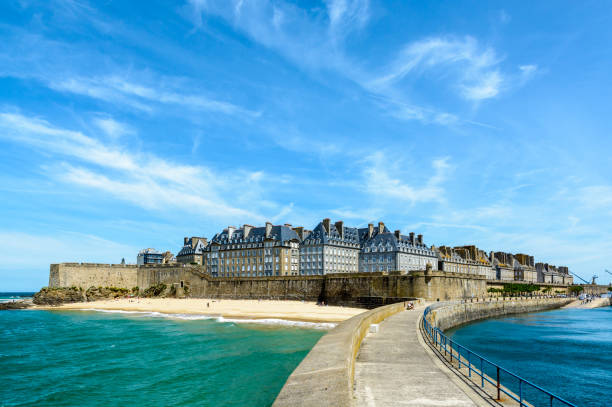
(320, 236)
(389, 239)
(258, 234)
(187, 249)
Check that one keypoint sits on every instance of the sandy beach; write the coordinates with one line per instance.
(247, 309)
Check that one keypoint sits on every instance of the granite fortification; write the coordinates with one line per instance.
(362, 289)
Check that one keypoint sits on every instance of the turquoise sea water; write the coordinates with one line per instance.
(82, 358)
(568, 352)
(8, 297)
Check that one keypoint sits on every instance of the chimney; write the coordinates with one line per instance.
(185, 241)
(288, 225)
(194, 242)
(381, 227)
(300, 232)
(370, 230)
(420, 239)
(412, 238)
(268, 229)
(326, 223)
(246, 229)
(340, 228)
(398, 234)
(230, 231)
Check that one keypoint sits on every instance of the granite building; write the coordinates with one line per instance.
(192, 251)
(547, 273)
(330, 248)
(526, 264)
(477, 259)
(386, 251)
(449, 260)
(253, 251)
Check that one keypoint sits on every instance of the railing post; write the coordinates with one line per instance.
(481, 373)
(498, 388)
(520, 393)
(451, 350)
(551, 399)
(469, 364)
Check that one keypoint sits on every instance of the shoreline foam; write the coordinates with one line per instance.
(267, 312)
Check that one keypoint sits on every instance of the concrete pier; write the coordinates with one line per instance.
(393, 368)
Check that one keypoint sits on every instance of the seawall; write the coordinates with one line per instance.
(367, 290)
(448, 315)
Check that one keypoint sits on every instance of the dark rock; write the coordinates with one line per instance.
(57, 296)
(15, 305)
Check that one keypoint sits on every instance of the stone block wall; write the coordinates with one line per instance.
(446, 316)
(86, 275)
(344, 289)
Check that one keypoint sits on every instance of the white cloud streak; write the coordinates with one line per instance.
(474, 66)
(382, 178)
(143, 179)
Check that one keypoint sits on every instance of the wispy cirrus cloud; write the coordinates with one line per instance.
(142, 96)
(88, 73)
(314, 41)
(142, 179)
(475, 67)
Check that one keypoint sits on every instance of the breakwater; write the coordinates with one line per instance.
(325, 376)
(449, 315)
(366, 290)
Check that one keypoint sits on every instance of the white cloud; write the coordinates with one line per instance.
(140, 96)
(112, 128)
(474, 66)
(382, 178)
(145, 180)
(346, 16)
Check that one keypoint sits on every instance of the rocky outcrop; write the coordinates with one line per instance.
(61, 295)
(57, 296)
(21, 304)
(104, 293)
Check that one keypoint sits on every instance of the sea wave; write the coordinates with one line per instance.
(221, 319)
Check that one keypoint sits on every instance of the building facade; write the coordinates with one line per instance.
(193, 250)
(330, 248)
(386, 251)
(449, 260)
(253, 252)
(547, 273)
(149, 256)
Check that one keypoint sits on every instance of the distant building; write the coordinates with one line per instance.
(547, 273)
(192, 251)
(477, 260)
(386, 251)
(254, 251)
(149, 256)
(527, 266)
(503, 263)
(168, 258)
(449, 260)
(330, 248)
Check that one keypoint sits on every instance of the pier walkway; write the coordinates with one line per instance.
(394, 368)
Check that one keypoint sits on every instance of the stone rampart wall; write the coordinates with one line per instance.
(446, 316)
(345, 289)
(86, 275)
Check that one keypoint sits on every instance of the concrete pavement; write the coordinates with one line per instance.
(393, 368)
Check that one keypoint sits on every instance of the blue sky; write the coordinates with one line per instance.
(126, 125)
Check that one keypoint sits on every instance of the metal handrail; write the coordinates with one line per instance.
(448, 346)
